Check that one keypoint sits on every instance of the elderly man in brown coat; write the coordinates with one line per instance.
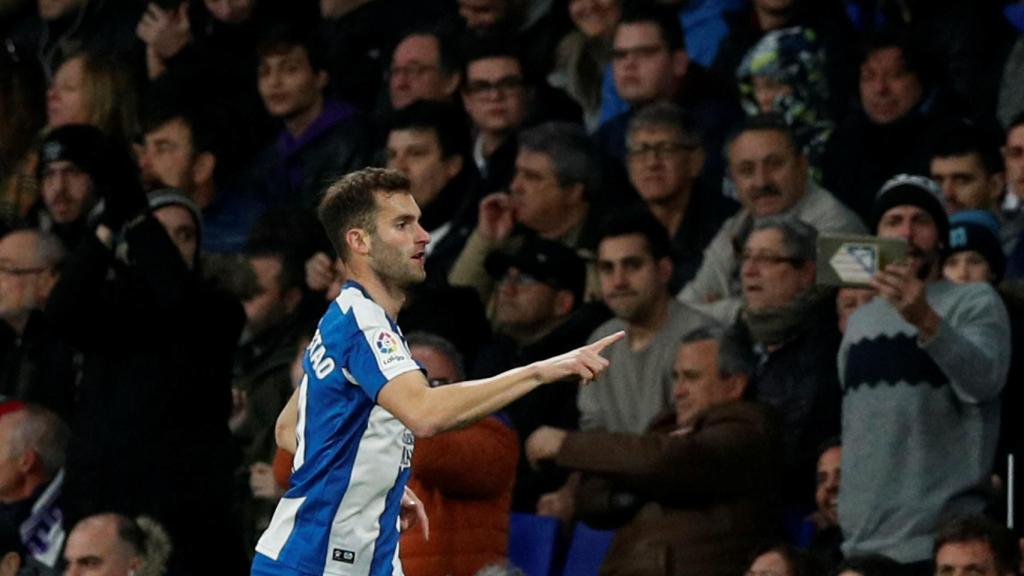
(694, 494)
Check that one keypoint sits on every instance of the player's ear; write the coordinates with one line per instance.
(358, 241)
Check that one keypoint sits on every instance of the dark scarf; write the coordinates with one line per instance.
(776, 326)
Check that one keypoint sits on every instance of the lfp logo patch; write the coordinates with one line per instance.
(389, 348)
(387, 343)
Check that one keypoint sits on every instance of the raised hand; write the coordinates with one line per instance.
(585, 362)
(166, 32)
(899, 286)
(319, 272)
(496, 218)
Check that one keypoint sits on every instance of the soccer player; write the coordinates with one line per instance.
(363, 398)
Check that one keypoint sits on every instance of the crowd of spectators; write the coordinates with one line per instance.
(663, 167)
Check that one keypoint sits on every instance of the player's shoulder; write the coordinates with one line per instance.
(354, 306)
(350, 314)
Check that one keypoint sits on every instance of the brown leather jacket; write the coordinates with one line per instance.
(693, 502)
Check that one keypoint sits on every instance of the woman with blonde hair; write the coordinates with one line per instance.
(89, 90)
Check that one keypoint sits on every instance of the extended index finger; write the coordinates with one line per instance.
(605, 342)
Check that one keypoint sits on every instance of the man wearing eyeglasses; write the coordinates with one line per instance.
(496, 98)
(538, 311)
(770, 175)
(790, 325)
(35, 365)
(422, 68)
(557, 179)
(665, 159)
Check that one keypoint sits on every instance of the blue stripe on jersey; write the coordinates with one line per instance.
(340, 515)
(389, 539)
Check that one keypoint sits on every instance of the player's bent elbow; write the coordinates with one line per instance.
(425, 426)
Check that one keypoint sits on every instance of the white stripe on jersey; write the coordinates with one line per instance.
(280, 529)
(300, 427)
(355, 527)
(396, 563)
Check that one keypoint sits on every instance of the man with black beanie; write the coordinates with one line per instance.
(70, 160)
(921, 366)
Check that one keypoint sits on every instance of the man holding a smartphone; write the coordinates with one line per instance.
(921, 365)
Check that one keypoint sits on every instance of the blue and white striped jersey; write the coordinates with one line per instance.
(341, 514)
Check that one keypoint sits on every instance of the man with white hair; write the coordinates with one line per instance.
(35, 365)
(33, 441)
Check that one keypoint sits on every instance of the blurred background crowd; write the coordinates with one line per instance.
(583, 166)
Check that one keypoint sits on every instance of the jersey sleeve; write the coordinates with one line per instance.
(379, 352)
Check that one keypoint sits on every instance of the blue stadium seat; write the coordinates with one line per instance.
(797, 527)
(532, 543)
(587, 550)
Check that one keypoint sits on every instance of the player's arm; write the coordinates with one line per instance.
(428, 411)
(284, 429)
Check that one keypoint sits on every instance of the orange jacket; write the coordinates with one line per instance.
(465, 480)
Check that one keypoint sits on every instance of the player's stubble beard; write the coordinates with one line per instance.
(392, 265)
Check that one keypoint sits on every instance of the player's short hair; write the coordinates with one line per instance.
(351, 202)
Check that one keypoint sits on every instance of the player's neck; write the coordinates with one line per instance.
(387, 296)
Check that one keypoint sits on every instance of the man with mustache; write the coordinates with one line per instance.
(770, 175)
(922, 366)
